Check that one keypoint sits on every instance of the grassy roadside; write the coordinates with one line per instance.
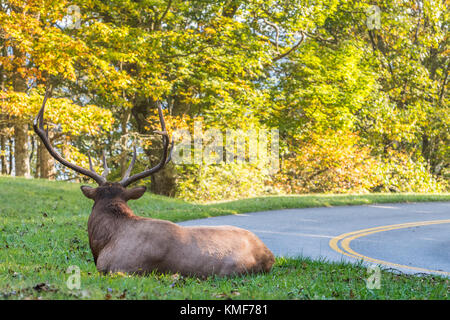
(43, 232)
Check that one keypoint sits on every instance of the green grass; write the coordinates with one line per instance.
(44, 231)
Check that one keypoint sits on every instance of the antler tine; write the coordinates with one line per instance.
(161, 116)
(39, 120)
(38, 126)
(130, 167)
(105, 166)
(165, 156)
(169, 157)
(91, 167)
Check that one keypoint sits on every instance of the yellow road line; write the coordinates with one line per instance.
(345, 239)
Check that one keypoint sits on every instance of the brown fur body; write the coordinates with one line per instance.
(123, 242)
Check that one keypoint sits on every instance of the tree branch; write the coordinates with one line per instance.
(277, 31)
(281, 56)
(441, 95)
(165, 11)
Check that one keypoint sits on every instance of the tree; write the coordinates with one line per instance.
(307, 68)
(34, 51)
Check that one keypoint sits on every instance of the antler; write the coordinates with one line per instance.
(166, 156)
(38, 126)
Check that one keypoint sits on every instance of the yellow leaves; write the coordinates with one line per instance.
(172, 122)
(71, 118)
(210, 31)
(15, 104)
(329, 162)
(36, 43)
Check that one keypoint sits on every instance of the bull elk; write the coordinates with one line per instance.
(120, 241)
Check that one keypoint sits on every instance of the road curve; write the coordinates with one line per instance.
(412, 237)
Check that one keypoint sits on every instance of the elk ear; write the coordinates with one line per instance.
(89, 192)
(135, 193)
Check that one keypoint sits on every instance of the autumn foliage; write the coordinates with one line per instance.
(358, 109)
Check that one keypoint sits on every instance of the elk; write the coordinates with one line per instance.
(121, 241)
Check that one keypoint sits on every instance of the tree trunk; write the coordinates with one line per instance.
(21, 156)
(123, 142)
(21, 152)
(10, 146)
(3, 155)
(37, 172)
(426, 147)
(47, 168)
(31, 153)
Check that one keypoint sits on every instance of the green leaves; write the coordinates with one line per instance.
(304, 67)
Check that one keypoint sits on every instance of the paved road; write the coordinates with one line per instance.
(412, 238)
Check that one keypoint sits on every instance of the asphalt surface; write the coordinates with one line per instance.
(411, 238)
